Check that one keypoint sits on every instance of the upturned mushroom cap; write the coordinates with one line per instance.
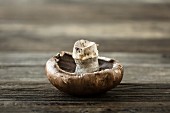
(60, 71)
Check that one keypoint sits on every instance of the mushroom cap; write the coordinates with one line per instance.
(60, 72)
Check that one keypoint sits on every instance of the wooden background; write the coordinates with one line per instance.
(54, 25)
(135, 32)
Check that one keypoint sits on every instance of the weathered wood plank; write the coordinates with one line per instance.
(71, 11)
(132, 74)
(18, 2)
(40, 91)
(106, 107)
(40, 97)
(127, 59)
(139, 68)
(116, 30)
(30, 42)
(110, 45)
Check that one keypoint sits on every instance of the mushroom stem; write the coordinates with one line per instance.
(85, 54)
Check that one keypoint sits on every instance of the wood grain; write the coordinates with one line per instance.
(25, 88)
(127, 59)
(41, 97)
(32, 31)
(126, 26)
(72, 11)
(132, 74)
(107, 45)
(26, 91)
(139, 68)
(52, 106)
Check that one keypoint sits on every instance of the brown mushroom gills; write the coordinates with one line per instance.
(60, 71)
(68, 64)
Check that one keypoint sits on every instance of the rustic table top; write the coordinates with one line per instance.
(25, 88)
(135, 32)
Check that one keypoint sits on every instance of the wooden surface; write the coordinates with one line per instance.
(54, 25)
(25, 88)
(135, 32)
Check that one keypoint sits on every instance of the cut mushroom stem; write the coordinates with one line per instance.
(85, 54)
